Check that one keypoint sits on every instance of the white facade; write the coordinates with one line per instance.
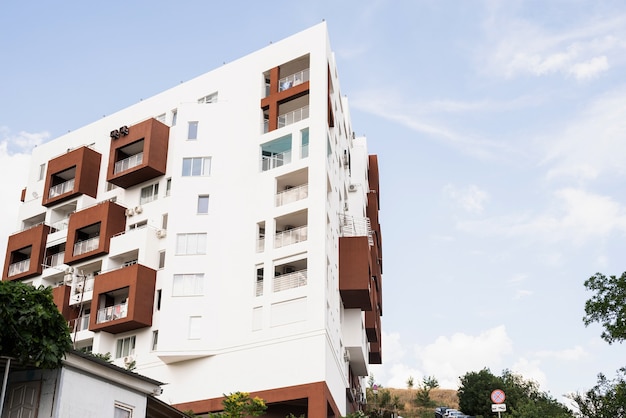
(247, 293)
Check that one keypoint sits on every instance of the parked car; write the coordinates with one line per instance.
(440, 411)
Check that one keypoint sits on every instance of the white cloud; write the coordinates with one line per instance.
(14, 162)
(570, 354)
(471, 198)
(530, 370)
(518, 47)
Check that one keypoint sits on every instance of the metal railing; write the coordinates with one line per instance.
(19, 267)
(54, 260)
(291, 236)
(352, 226)
(293, 117)
(293, 80)
(275, 160)
(82, 247)
(59, 225)
(128, 163)
(62, 188)
(259, 288)
(290, 280)
(111, 313)
(292, 195)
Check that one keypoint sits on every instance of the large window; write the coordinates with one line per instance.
(188, 285)
(189, 244)
(125, 347)
(149, 193)
(200, 166)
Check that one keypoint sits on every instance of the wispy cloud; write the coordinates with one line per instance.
(518, 47)
(471, 198)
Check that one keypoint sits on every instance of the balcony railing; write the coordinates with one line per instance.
(291, 236)
(259, 287)
(19, 267)
(293, 80)
(292, 195)
(59, 189)
(275, 160)
(305, 150)
(290, 280)
(293, 117)
(260, 245)
(79, 324)
(111, 313)
(128, 163)
(352, 226)
(54, 260)
(59, 225)
(82, 247)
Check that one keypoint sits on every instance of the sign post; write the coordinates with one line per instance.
(498, 397)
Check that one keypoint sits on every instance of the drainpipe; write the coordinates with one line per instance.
(4, 383)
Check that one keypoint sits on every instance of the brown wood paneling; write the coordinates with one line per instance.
(36, 238)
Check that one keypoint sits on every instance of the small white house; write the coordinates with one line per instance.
(82, 387)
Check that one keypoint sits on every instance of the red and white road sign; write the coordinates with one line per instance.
(497, 396)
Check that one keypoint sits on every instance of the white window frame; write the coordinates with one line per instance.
(191, 244)
(121, 410)
(188, 285)
(192, 130)
(209, 98)
(152, 194)
(203, 204)
(196, 166)
(125, 346)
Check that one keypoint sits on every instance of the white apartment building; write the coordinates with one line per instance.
(222, 236)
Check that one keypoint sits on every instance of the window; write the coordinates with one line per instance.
(159, 296)
(194, 327)
(189, 244)
(110, 186)
(168, 186)
(164, 221)
(122, 411)
(125, 347)
(174, 116)
(211, 98)
(161, 118)
(149, 193)
(192, 131)
(162, 259)
(200, 166)
(203, 204)
(188, 285)
(155, 339)
(42, 171)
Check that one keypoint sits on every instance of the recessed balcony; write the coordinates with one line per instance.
(25, 253)
(72, 174)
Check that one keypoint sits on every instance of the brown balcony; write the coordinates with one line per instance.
(355, 272)
(25, 252)
(138, 153)
(375, 354)
(89, 231)
(123, 299)
(72, 174)
(61, 296)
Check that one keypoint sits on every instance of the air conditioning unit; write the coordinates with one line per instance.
(138, 209)
(128, 360)
(130, 212)
(79, 286)
(161, 233)
(352, 188)
(346, 358)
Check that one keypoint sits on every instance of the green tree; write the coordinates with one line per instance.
(523, 397)
(410, 382)
(423, 394)
(606, 399)
(33, 331)
(607, 306)
(239, 405)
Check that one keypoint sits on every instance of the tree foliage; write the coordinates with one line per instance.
(423, 392)
(523, 397)
(607, 306)
(32, 329)
(240, 404)
(606, 399)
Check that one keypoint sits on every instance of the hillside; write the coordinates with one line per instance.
(407, 408)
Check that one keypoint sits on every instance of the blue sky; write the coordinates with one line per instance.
(499, 127)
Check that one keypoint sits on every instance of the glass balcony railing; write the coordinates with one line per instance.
(19, 267)
(54, 260)
(111, 313)
(291, 236)
(260, 245)
(59, 225)
(293, 117)
(60, 189)
(293, 80)
(79, 324)
(275, 160)
(292, 195)
(128, 163)
(82, 247)
(290, 280)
